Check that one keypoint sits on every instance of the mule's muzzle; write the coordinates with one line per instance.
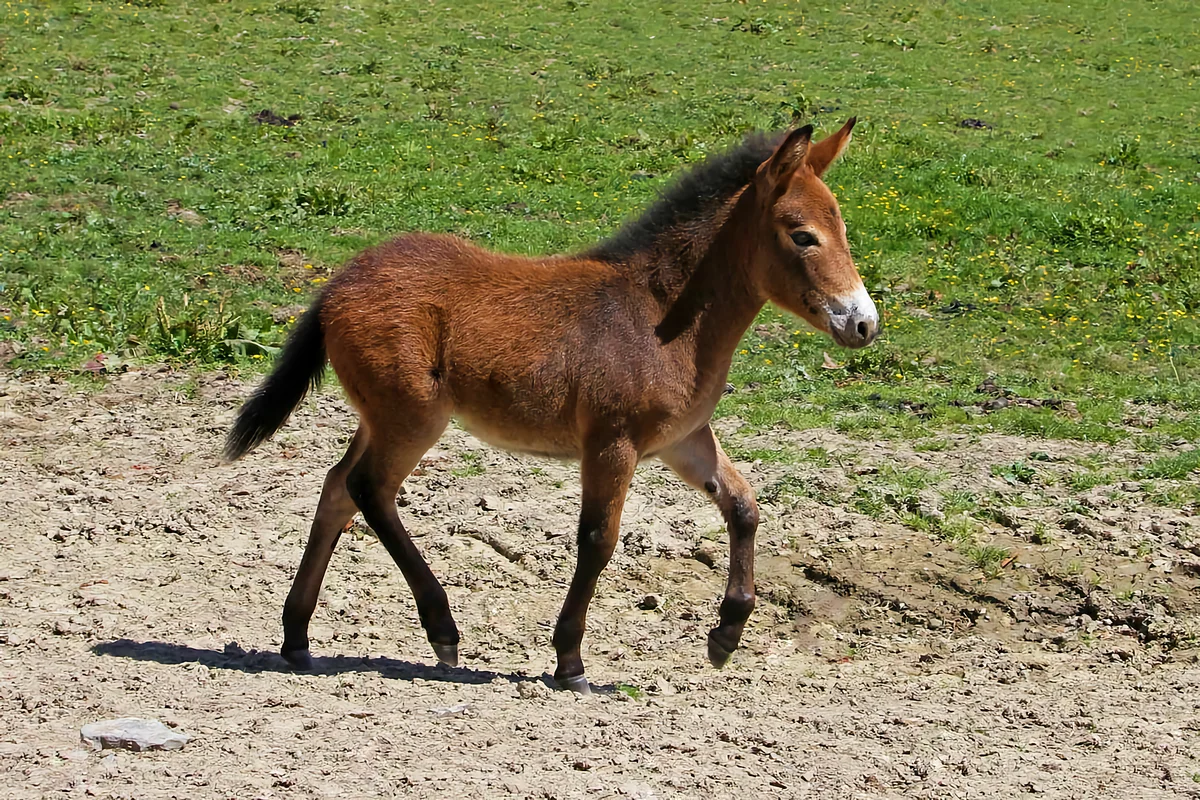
(859, 330)
(856, 322)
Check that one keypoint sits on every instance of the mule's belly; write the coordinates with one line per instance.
(518, 436)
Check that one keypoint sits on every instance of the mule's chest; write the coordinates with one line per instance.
(676, 426)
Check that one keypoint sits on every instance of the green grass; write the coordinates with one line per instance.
(776, 455)
(145, 214)
(1016, 473)
(630, 691)
(1176, 466)
(988, 558)
(471, 465)
(1083, 481)
(894, 490)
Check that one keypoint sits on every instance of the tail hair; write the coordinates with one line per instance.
(299, 369)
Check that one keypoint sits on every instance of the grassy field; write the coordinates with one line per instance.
(1022, 194)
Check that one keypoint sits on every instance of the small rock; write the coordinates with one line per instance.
(174, 106)
(650, 602)
(489, 503)
(930, 511)
(1081, 525)
(132, 734)
(533, 690)
(1121, 653)
(177, 211)
(705, 556)
(1005, 518)
(64, 627)
(456, 710)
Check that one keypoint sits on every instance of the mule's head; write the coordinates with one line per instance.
(808, 269)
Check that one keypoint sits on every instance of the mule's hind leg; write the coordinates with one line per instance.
(699, 460)
(605, 472)
(335, 509)
(373, 483)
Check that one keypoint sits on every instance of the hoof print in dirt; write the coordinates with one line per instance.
(650, 602)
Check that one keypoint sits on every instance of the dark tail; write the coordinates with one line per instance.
(298, 369)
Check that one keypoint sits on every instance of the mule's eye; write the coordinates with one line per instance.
(804, 239)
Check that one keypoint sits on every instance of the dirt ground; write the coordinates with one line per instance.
(139, 576)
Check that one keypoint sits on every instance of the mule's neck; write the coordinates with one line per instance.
(717, 299)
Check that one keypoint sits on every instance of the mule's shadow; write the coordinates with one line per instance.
(256, 661)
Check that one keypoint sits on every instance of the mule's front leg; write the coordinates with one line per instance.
(606, 471)
(700, 461)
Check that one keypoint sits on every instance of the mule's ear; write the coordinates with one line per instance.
(786, 159)
(826, 151)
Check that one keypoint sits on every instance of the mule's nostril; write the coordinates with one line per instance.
(864, 329)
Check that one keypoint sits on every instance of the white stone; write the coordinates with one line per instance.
(132, 734)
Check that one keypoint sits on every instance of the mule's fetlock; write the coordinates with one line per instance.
(736, 608)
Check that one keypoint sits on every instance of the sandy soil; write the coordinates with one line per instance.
(141, 577)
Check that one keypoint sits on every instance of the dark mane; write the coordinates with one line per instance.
(695, 195)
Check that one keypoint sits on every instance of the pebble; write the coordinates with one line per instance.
(132, 734)
(491, 503)
(456, 710)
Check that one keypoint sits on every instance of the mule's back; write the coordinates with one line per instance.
(514, 346)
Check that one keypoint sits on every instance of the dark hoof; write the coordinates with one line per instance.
(718, 654)
(446, 654)
(301, 660)
(577, 684)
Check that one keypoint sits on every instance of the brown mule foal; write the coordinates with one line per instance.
(611, 356)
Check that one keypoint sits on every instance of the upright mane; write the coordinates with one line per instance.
(693, 198)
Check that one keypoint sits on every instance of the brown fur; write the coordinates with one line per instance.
(609, 357)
